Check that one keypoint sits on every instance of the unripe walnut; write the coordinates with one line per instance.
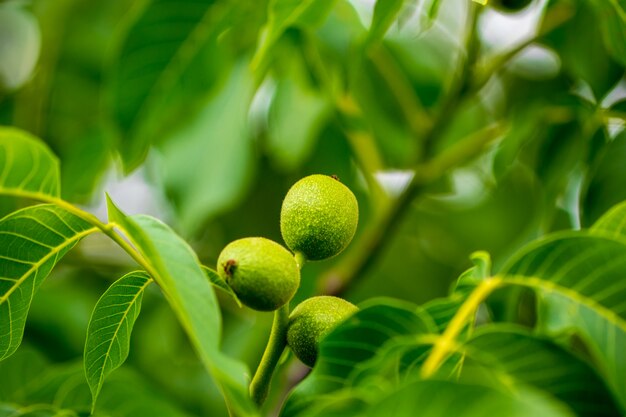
(262, 273)
(313, 319)
(319, 217)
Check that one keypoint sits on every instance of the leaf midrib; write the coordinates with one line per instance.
(44, 259)
(123, 319)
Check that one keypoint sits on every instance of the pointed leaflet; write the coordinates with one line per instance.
(32, 241)
(218, 282)
(27, 166)
(108, 334)
(175, 267)
(580, 280)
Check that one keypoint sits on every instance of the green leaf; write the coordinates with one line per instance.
(129, 394)
(32, 241)
(612, 15)
(385, 13)
(218, 282)
(110, 326)
(612, 223)
(8, 410)
(291, 140)
(166, 62)
(26, 165)
(63, 385)
(480, 271)
(514, 354)
(582, 52)
(175, 267)
(352, 343)
(17, 372)
(604, 183)
(443, 309)
(443, 398)
(283, 14)
(38, 410)
(579, 278)
(203, 184)
(20, 45)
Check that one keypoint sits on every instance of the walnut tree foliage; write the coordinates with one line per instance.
(483, 140)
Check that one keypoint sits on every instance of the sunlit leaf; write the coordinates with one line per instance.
(32, 241)
(108, 334)
(175, 267)
(26, 165)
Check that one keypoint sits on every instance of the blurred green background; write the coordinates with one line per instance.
(203, 113)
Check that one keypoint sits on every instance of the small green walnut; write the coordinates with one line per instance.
(262, 273)
(319, 217)
(313, 319)
(510, 6)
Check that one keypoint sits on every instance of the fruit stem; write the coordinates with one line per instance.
(259, 387)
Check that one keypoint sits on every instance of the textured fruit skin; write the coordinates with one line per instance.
(318, 217)
(311, 320)
(262, 273)
(510, 6)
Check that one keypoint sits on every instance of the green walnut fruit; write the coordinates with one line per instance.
(313, 319)
(318, 217)
(510, 6)
(262, 273)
